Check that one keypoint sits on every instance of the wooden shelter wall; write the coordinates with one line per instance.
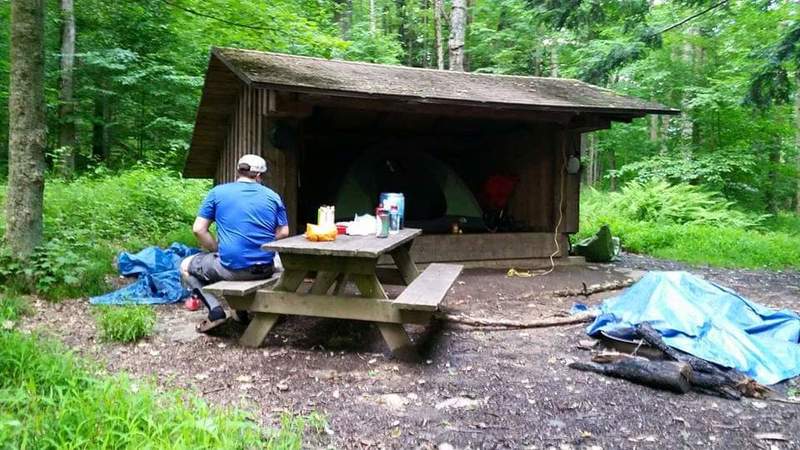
(248, 133)
(533, 152)
(537, 156)
(245, 132)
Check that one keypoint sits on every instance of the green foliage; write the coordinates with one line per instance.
(290, 433)
(90, 219)
(13, 307)
(127, 323)
(660, 203)
(687, 224)
(379, 48)
(51, 400)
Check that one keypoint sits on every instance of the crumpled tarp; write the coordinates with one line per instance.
(708, 321)
(159, 279)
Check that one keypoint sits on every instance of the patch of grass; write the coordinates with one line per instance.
(13, 307)
(289, 436)
(126, 323)
(753, 243)
(49, 399)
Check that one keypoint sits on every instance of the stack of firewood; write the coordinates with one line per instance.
(675, 371)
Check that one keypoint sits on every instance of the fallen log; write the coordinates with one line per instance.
(541, 323)
(669, 375)
(584, 291)
(594, 288)
(653, 337)
(708, 376)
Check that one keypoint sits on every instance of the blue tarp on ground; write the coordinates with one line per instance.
(159, 279)
(707, 321)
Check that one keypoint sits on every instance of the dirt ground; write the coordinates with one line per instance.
(475, 389)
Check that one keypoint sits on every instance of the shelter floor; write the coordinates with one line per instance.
(478, 389)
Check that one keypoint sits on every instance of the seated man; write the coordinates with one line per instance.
(247, 215)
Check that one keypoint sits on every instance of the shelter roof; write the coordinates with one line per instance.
(427, 90)
(378, 80)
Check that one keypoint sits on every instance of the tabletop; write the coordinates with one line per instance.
(344, 245)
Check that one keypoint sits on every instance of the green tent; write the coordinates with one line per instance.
(435, 195)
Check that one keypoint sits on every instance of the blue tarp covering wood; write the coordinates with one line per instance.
(159, 279)
(708, 321)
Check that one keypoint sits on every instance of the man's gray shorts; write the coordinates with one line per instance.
(206, 268)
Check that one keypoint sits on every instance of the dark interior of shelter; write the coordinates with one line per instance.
(454, 172)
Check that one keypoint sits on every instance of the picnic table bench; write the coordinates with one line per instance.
(333, 265)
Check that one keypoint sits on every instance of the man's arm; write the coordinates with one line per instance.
(200, 230)
(282, 232)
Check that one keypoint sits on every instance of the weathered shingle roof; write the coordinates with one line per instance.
(437, 86)
(229, 69)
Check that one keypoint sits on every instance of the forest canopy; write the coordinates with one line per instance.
(731, 67)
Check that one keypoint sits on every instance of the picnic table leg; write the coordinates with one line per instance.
(403, 261)
(341, 283)
(393, 333)
(323, 282)
(262, 323)
(258, 329)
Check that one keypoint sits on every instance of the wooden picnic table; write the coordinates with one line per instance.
(333, 265)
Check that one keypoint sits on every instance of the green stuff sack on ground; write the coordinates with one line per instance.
(602, 247)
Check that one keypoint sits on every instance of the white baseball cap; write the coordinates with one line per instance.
(253, 163)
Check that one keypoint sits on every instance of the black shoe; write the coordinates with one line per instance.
(216, 314)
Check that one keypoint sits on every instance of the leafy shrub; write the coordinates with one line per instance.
(125, 323)
(13, 307)
(50, 399)
(661, 226)
(661, 203)
(89, 220)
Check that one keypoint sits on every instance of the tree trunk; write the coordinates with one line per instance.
(797, 138)
(593, 163)
(588, 157)
(554, 72)
(772, 176)
(345, 18)
(100, 134)
(458, 32)
(612, 166)
(27, 128)
(66, 136)
(654, 127)
(438, 8)
(372, 20)
(585, 158)
(664, 134)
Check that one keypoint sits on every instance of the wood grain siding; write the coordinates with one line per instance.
(530, 154)
(248, 133)
(245, 132)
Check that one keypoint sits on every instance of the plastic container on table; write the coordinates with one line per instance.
(389, 199)
(394, 220)
(381, 223)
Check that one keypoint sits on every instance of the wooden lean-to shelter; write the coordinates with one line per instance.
(317, 121)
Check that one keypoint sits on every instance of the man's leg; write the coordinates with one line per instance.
(198, 271)
(254, 273)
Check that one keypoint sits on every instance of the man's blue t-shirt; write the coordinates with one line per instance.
(247, 215)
